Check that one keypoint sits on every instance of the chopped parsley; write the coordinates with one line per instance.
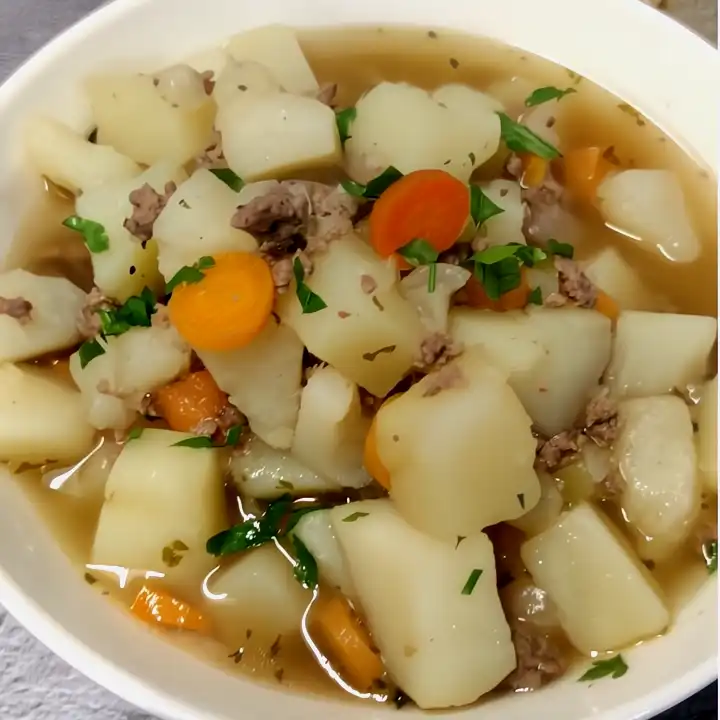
(521, 139)
(420, 252)
(137, 311)
(632, 112)
(135, 433)
(232, 436)
(482, 208)
(90, 579)
(498, 268)
(310, 302)
(565, 250)
(376, 187)
(355, 516)
(344, 119)
(710, 553)
(545, 94)
(88, 351)
(93, 233)
(535, 296)
(616, 667)
(472, 581)
(521, 500)
(190, 274)
(198, 442)
(306, 569)
(230, 178)
(172, 554)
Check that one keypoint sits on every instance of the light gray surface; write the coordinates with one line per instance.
(34, 684)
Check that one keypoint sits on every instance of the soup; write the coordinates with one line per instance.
(375, 361)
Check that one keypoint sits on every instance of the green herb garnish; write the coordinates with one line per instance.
(602, 668)
(521, 139)
(232, 436)
(535, 296)
(230, 178)
(93, 233)
(710, 553)
(137, 311)
(135, 433)
(306, 569)
(376, 187)
(472, 581)
(309, 301)
(355, 516)
(190, 274)
(344, 119)
(172, 554)
(198, 442)
(565, 250)
(88, 351)
(498, 268)
(420, 252)
(482, 208)
(545, 94)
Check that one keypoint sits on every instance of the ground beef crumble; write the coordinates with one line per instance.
(437, 350)
(88, 323)
(575, 284)
(17, 308)
(601, 418)
(558, 450)
(539, 658)
(147, 205)
(447, 377)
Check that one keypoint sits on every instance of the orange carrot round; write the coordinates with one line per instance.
(187, 403)
(228, 307)
(154, 606)
(607, 306)
(428, 204)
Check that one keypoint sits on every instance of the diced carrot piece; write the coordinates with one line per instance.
(431, 205)
(607, 306)
(371, 459)
(585, 168)
(159, 607)
(187, 403)
(513, 300)
(347, 641)
(535, 169)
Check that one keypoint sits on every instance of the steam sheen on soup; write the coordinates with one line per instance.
(378, 360)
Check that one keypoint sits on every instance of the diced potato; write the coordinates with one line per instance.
(708, 435)
(262, 472)
(257, 593)
(455, 129)
(331, 429)
(133, 365)
(181, 85)
(542, 120)
(547, 510)
(110, 206)
(269, 136)
(433, 307)
(656, 352)
(656, 458)
(40, 418)
(507, 226)
(648, 206)
(371, 338)
(52, 324)
(444, 444)
(554, 356)
(162, 503)
(605, 598)
(133, 116)
(613, 274)
(70, 161)
(316, 531)
(241, 77)
(196, 223)
(545, 278)
(263, 381)
(455, 644)
(277, 48)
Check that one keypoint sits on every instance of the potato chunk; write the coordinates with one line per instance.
(70, 161)
(454, 645)
(40, 418)
(445, 445)
(110, 206)
(271, 136)
(708, 435)
(656, 352)
(196, 223)
(547, 510)
(134, 116)
(605, 598)
(263, 381)
(648, 206)
(331, 429)
(51, 324)
(656, 457)
(240, 77)
(162, 503)
(372, 338)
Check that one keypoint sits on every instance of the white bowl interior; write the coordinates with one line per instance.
(667, 80)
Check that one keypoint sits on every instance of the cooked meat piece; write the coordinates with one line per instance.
(206, 427)
(88, 323)
(368, 284)
(230, 417)
(280, 212)
(539, 658)
(445, 378)
(327, 94)
(18, 308)
(558, 450)
(574, 283)
(147, 205)
(208, 78)
(437, 350)
(601, 418)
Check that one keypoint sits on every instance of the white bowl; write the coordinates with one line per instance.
(661, 68)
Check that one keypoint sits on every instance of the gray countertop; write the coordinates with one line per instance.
(34, 684)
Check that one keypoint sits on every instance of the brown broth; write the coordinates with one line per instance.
(357, 59)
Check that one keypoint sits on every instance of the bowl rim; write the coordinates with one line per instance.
(120, 680)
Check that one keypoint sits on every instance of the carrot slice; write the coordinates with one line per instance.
(371, 458)
(585, 168)
(187, 403)
(228, 307)
(347, 641)
(535, 169)
(159, 607)
(607, 306)
(428, 204)
(513, 300)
